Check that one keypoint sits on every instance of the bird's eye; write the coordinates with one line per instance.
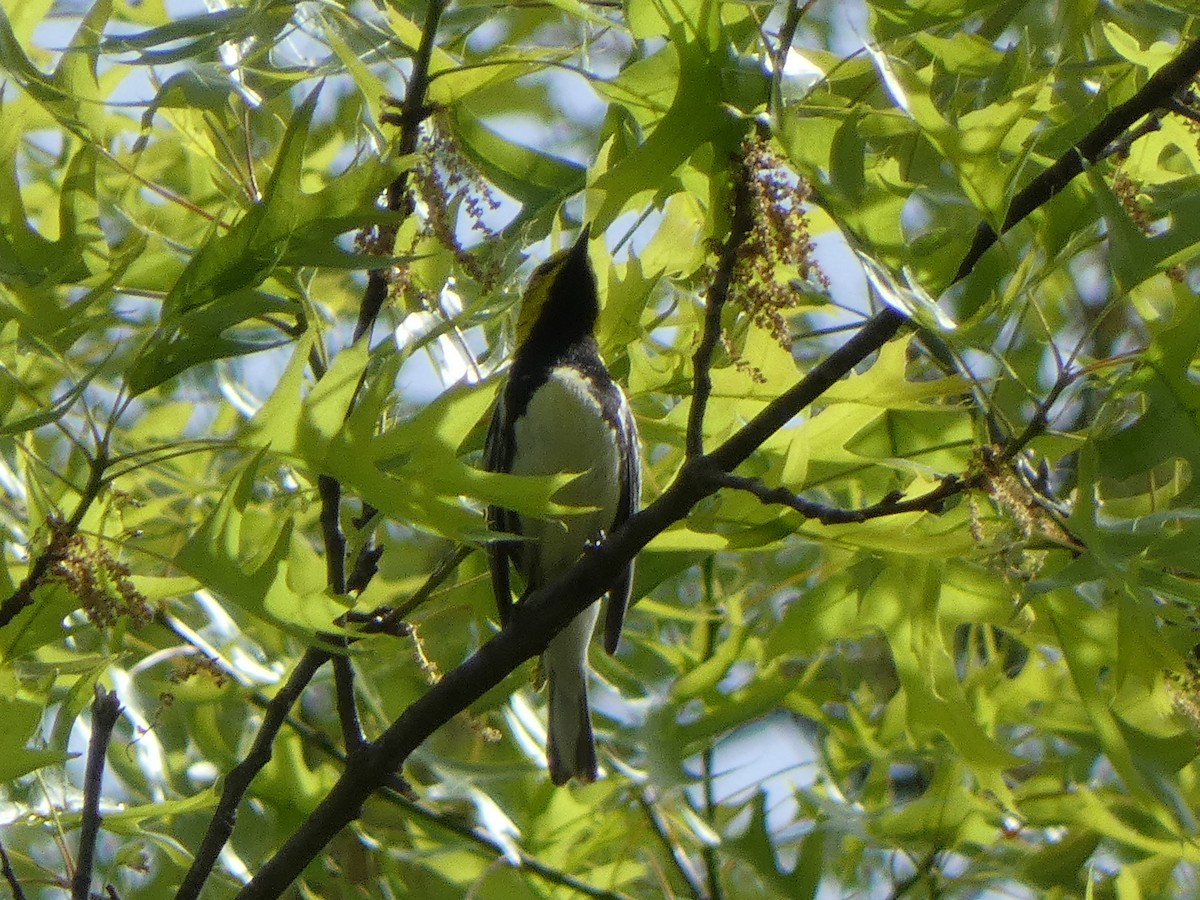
(546, 270)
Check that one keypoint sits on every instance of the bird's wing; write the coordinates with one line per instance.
(631, 492)
(498, 457)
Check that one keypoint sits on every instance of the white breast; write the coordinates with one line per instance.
(564, 430)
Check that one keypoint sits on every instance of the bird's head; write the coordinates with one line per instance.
(560, 298)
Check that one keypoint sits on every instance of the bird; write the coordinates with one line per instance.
(559, 411)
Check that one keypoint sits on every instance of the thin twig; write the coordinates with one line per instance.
(1186, 110)
(1120, 147)
(1040, 419)
(45, 561)
(443, 570)
(9, 875)
(413, 111)
(695, 884)
(238, 780)
(1157, 93)
(891, 505)
(787, 34)
(924, 869)
(740, 225)
(106, 710)
(712, 861)
(895, 503)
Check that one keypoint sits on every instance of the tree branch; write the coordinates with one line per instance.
(712, 627)
(891, 505)
(1157, 93)
(238, 780)
(443, 570)
(10, 876)
(695, 884)
(41, 567)
(105, 712)
(548, 610)
(740, 224)
(398, 793)
(413, 111)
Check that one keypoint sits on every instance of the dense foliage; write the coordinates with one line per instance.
(935, 634)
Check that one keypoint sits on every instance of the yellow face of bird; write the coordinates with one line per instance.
(537, 292)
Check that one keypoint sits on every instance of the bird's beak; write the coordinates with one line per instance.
(580, 249)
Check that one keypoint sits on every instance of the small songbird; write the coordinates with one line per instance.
(561, 412)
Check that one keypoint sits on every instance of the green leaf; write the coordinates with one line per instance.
(1137, 256)
(425, 448)
(1062, 863)
(198, 336)
(905, 601)
(328, 403)
(22, 715)
(531, 177)
(193, 36)
(216, 289)
(253, 559)
(21, 761)
(277, 424)
(245, 255)
(132, 819)
(1169, 426)
(695, 118)
(14, 61)
(756, 848)
(40, 623)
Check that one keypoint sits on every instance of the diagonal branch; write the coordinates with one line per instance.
(105, 712)
(238, 780)
(44, 563)
(10, 876)
(1157, 93)
(398, 794)
(662, 830)
(547, 611)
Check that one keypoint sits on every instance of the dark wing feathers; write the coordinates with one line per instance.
(631, 480)
(497, 456)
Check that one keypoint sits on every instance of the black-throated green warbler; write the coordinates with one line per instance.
(561, 412)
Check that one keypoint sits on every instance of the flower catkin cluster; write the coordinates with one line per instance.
(1028, 519)
(445, 181)
(1128, 193)
(197, 664)
(101, 583)
(779, 247)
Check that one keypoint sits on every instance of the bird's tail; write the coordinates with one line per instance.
(570, 745)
